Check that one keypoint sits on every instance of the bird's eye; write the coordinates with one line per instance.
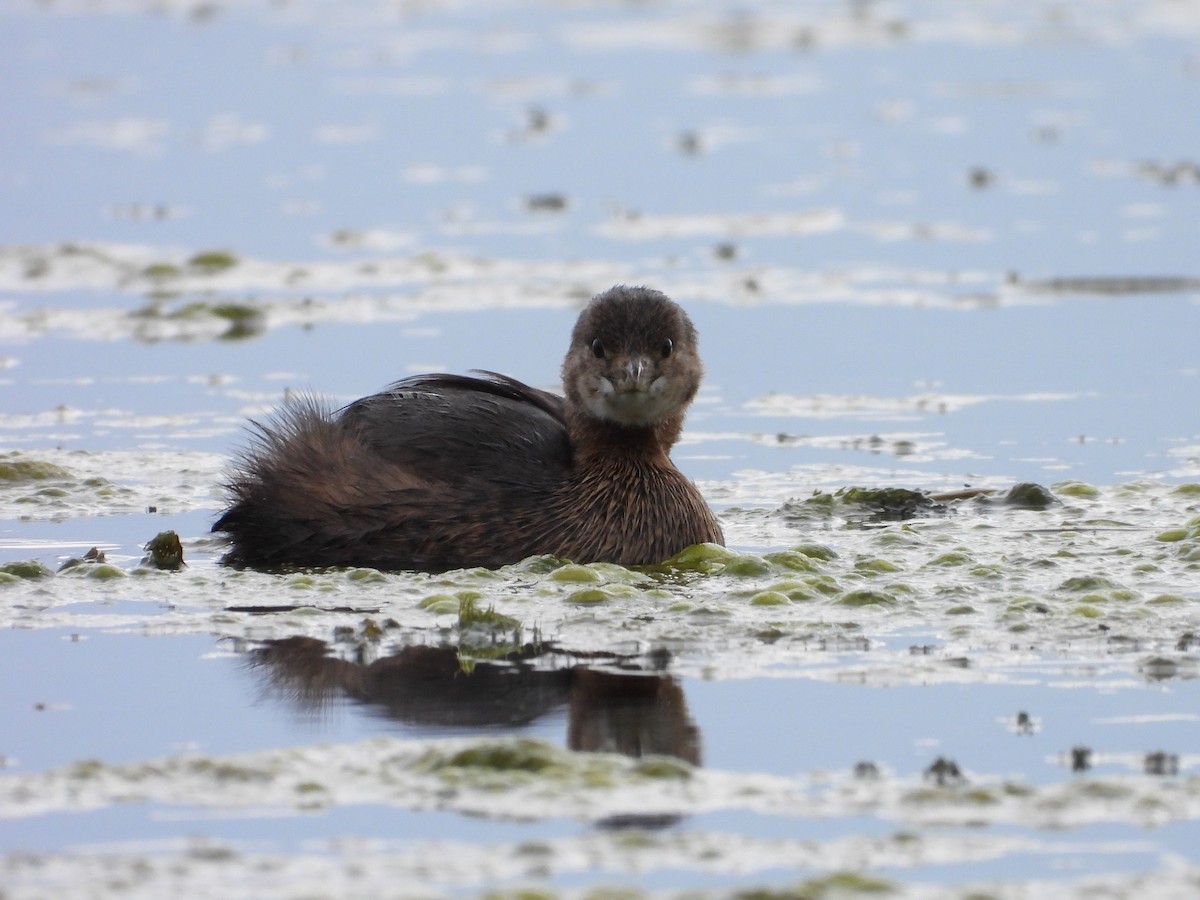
(667, 347)
(598, 348)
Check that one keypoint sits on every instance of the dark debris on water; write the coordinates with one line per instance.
(164, 551)
(877, 505)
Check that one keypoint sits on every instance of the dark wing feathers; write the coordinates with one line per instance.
(493, 383)
(447, 427)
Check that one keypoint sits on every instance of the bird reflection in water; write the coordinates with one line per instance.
(614, 705)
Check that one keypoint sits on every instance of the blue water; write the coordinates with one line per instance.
(264, 131)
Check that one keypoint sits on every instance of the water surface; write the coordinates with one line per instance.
(926, 247)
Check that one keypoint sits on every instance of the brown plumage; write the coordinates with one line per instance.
(445, 471)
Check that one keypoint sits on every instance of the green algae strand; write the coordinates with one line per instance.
(472, 615)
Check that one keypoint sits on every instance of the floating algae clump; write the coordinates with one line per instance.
(93, 564)
(15, 469)
(501, 765)
(161, 271)
(210, 262)
(1172, 534)
(576, 573)
(704, 558)
(1028, 495)
(244, 320)
(769, 598)
(662, 767)
(101, 570)
(866, 598)
(828, 887)
(951, 558)
(712, 559)
(795, 560)
(164, 551)
(1078, 489)
(1088, 583)
(863, 505)
(521, 755)
(241, 320)
(440, 604)
(603, 593)
(471, 616)
(24, 569)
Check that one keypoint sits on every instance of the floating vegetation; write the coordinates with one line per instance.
(839, 656)
(864, 505)
(879, 505)
(866, 598)
(943, 771)
(1077, 489)
(702, 558)
(472, 616)
(528, 778)
(211, 262)
(233, 320)
(93, 564)
(16, 468)
(546, 203)
(161, 272)
(245, 321)
(1161, 763)
(23, 570)
(164, 551)
(1170, 174)
(1117, 285)
(94, 555)
(32, 487)
(513, 757)
(1028, 495)
(986, 572)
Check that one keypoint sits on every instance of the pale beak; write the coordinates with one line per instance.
(636, 376)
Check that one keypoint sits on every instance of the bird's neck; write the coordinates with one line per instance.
(595, 440)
